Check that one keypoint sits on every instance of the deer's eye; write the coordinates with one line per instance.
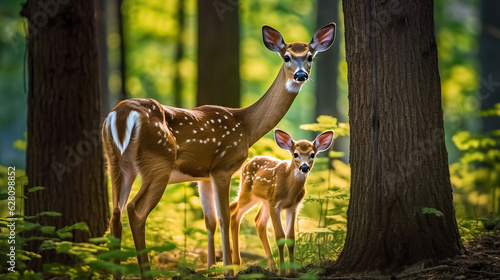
(312, 155)
(295, 155)
(286, 58)
(310, 58)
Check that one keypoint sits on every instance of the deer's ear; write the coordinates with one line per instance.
(323, 38)
(283, 139)
(272, 39)
(324, 141)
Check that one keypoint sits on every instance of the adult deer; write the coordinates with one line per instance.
(278, 185)
(208, 144)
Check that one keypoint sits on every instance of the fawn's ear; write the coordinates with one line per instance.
(283, 139)
(272, 39)
(324, 141)
(323, 38)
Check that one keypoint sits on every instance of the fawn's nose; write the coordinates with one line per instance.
(304, 168)
(300, 76)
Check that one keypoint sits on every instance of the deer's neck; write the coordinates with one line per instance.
(263, 115)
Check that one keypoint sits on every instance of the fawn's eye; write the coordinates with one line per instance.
(310, 58)
(295, 155)
(286, 58)
(312, 155)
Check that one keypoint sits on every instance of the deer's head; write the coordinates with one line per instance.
(304, 152)
(298, 57)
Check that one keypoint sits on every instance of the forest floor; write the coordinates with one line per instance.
(482, 261)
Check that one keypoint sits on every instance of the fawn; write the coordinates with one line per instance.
(279, 185)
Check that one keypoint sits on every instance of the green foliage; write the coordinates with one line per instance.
(477, 173)
(433, 211)
(325, 123)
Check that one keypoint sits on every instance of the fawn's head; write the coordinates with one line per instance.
(298, 57)
(303, 151)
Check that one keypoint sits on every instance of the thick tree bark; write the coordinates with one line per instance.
(399, 161)
(218, 53)
(64, 152)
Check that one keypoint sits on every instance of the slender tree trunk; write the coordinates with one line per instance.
(64, 152)
(102, 45)
(489, 92)
(123, 54)
(489, 56)
(327, 68)
(399, 167)
(218, 53)
(179, 53)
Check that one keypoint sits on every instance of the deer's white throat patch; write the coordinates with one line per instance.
(292, 86)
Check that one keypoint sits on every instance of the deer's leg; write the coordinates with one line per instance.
(238, 209)
(208, 205)
(291, 214)
(261, 221)
(220, 187)
(121, 186)
(154, 181)
(279, 234)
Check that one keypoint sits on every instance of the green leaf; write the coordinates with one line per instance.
(117, 254)
(49, 213)
(4, 196)
(63, 247)
(48, 229)
(34, 189)
(427, 210)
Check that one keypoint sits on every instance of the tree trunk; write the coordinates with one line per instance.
(179, 53)
(399, 167)
(64, 152)
(123, 54)
(102, 45)
(218, 53)
(327, 68)
(489, 44)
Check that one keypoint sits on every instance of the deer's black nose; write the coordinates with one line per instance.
(300, 76)
(304, 168)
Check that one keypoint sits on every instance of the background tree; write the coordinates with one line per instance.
(64, 152)
(218, 53)
(489, 56)
(401, 208)
(179, 53)
(123, 51)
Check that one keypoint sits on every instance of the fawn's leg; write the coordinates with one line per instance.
(261, 221)
(279, 233)
(291, 214)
